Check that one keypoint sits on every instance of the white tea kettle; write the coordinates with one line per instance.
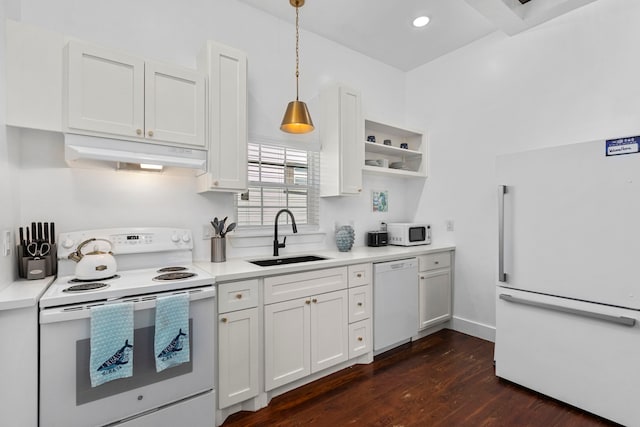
(94, 265)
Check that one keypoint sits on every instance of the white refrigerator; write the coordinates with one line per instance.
(568, 294)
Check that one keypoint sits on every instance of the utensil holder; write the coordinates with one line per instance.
(218, 249)
(26, 264)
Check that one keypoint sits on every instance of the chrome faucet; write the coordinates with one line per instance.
(276, 244)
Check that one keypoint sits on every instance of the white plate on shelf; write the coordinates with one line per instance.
(398, 165)
(371, 162)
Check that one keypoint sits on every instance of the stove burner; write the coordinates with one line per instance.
(173, 276)
(171, 269)
(85, 287)
(115, 276)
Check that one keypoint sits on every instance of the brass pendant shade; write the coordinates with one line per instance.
(297, 118)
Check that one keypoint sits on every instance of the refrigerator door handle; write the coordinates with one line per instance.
(620, 320)
(502, 190)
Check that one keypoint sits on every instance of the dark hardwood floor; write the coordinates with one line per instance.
(445, 379)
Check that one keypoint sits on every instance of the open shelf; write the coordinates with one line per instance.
(414, 156)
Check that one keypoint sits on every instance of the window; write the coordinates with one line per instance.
(280, 177)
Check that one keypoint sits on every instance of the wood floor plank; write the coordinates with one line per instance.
(446, 379)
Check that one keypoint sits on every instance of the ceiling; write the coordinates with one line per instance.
(382, 29)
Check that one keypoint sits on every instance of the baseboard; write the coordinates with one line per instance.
(475, 329)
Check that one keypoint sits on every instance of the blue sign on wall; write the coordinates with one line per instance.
(628, 145)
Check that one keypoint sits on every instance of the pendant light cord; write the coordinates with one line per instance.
(297, 55)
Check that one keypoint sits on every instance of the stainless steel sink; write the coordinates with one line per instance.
(287, 260)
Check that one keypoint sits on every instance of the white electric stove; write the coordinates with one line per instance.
(148, 260)
(151, 262)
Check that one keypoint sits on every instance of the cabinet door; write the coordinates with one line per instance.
(174, 104)
(351, 141)
(287, 342)
(435, 297)
(105, 90)
(329, 330)
(237, 356)
(227, 102)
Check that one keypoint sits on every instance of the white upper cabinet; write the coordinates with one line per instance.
(342, 138)
(111, 93)
(226, 69)
(174, 104)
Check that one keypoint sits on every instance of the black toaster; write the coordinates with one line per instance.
(377, 238)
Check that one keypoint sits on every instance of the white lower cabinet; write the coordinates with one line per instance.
(360, 310)
(360, 338)
(304, 336)
(306, 325)
(238, 343)
(435, 285)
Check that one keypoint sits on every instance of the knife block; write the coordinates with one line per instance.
(26, 263)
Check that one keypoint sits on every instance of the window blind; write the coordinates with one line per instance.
(280, 177)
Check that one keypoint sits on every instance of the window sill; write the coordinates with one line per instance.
(264, 238)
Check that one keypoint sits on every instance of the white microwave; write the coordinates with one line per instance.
(409, 233)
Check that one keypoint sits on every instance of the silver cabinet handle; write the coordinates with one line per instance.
(620, 320)
(502, 190)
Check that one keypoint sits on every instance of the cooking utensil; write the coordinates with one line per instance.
(37, 250)
(94, 265)
(215, 225)
(231, 227)
(221, 226)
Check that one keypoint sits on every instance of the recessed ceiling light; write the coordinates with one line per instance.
(420, 21)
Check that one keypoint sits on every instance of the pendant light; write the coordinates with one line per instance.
(297, 119)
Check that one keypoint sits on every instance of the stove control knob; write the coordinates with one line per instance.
(186, 237)
(68, 243)
(175, 238)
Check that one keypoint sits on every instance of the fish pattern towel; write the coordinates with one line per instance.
(111, 342)
(172, 331)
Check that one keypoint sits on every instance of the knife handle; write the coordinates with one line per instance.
(45, 229)
(39, 232)
(53, 233)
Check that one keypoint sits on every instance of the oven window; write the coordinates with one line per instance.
(417, 234)
(144, 368)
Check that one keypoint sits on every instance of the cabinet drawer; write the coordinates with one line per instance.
(434, 261)
(237, 295)
(359, 274)
(360, 338)
(300, 285)
(359, 303)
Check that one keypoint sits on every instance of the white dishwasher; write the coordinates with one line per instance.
(395, 303)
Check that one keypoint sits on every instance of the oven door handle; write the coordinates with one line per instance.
(143, 302)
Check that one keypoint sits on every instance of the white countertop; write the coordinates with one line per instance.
(240, 268)
(23, 293)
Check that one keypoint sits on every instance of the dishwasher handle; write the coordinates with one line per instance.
(395, 265)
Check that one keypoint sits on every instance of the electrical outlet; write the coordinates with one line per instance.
(449, 224)
(207, 232)
(7, 244)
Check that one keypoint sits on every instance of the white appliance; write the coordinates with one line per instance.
(91, 151)
(152, 262)
(395, 303)
(568, 297)
(409, 233)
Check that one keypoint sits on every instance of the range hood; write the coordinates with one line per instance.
(87, 151)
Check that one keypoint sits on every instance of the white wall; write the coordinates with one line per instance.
(8, 170)
(174, 32)
(572, 79)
